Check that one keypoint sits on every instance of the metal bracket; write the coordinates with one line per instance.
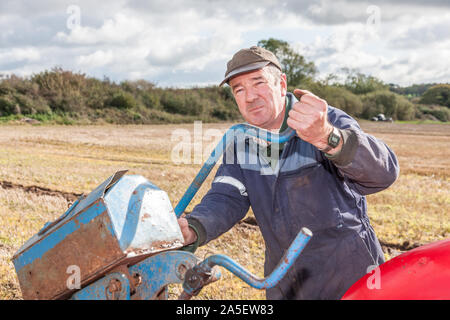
(160, 270)
(113, 286)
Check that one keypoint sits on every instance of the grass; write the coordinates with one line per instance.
(415, 210)
(422, 122)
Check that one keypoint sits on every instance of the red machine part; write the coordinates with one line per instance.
(422, 273)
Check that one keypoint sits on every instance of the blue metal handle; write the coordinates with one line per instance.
(228, 138)
(277, 274)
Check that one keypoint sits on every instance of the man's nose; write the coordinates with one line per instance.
(250, 95)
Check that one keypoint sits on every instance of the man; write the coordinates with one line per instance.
(319, 182)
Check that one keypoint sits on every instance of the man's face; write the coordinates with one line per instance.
(259, 98)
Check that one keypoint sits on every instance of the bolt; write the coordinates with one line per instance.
(137, 279)
(181, 271)
(114, 286)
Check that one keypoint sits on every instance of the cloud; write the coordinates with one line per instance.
(189, 42)
(401, 54)
(117, 30)
(97, 59)
(18, 56)
(421, 32)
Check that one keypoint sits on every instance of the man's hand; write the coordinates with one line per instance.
(308, 117)
(189, 235)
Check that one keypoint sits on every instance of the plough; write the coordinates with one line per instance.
(123, 241)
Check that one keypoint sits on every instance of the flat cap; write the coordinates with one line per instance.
(250, 59)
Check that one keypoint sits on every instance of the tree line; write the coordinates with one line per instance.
(363, 96)
(62, 96)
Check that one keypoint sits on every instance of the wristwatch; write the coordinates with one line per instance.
(333, 140)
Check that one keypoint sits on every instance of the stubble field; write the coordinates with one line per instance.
(44, 168)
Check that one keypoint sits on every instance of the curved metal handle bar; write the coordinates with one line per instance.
(228, 138)
(277, 274)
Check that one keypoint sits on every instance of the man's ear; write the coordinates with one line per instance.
(283, 84)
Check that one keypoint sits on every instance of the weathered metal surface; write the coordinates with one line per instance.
(144, 223)
(160, 270)
(78, 207)
(197, 278)
(114, 286)
(124, 219)
(89, 246)
(149, 278)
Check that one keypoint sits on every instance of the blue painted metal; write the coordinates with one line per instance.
(143, 217)
(100, 290)
(82, 203)
(156, 272)
(40, 247)
(161, 269)
(228, 138)
(125, 218)
(286, 262)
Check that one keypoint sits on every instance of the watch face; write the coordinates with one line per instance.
(334, 138)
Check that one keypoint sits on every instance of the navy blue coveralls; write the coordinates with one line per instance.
(306, 189)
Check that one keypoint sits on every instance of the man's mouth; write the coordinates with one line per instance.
(254, 109)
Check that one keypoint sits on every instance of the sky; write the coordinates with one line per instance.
(188, 43)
